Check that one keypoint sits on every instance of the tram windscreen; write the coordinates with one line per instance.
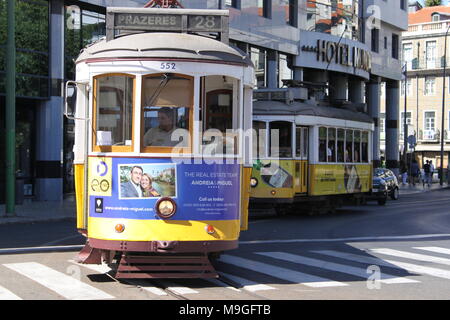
(114, 110)
(166, 107)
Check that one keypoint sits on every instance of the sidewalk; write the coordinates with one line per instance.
(418, 188)
(39, 211)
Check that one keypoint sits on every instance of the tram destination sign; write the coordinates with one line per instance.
(173, 20)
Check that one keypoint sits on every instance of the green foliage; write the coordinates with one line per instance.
(432, 3)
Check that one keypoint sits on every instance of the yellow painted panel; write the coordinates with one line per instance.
(79, 193)
(155, 230)
(273, 175)
(245, 195)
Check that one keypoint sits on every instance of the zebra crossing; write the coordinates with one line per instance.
(255, 273)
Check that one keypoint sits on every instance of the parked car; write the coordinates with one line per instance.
(391, 181)
(379, 191)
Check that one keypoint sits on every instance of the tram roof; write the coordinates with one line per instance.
(164, 45)
(274, 107)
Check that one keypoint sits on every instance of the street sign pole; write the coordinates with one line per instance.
(10, 111)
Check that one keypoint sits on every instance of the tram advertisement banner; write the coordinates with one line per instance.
(202, 191)
(340, 179)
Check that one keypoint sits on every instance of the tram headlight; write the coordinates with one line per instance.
(253, 182)
(166, 208)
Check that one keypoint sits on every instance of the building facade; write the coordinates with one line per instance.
(345, 48)
(423, 49)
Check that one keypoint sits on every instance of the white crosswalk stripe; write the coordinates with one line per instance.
(413, 256)
(5, 294)
(359, 272)
(246, 284)
(281, 273)
(356, 258)
(434, 249)
(65, 285)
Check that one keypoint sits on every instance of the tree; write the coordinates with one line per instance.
(432, 3)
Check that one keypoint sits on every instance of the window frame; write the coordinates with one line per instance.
(112, 148)
(169, 149)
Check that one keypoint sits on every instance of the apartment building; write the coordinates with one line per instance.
(423, 55)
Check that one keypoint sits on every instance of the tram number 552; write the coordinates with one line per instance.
(168, 66)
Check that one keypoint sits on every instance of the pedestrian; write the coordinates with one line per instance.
(415, 171)
(430, 176)
(403, 172)
(426, 171)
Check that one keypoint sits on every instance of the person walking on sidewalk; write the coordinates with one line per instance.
(403, 171)
(415, 171)
(426, 170)
(430, 176)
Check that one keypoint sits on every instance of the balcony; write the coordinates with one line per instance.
(428, 28)
(429, 135)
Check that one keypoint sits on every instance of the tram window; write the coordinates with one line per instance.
(348, 145)
(331, 150)
(298, 142)
(113, 102)
(259, 143)
(218, 115)
(323, 144)
(166, 109)
(365, 146)
(340, 145)
(284, 131)
(357, 146)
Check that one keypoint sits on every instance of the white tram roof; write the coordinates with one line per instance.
(274, 107)
(164, 45)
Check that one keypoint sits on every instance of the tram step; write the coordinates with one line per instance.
(165, 266)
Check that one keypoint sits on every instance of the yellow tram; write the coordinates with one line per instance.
(162, 180)
(308, 153)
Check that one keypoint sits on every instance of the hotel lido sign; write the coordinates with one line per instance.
(340, 53)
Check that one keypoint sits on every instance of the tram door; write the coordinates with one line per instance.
(301, 159)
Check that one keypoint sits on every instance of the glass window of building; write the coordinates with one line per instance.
(375, 40)
(429, 86)
(408, 121)
(113, 112)
(233, 3)
(430, 54)
(259, 59)
(395, 46)
(32, 48)
(264, 8)
(339, 18)
(408, 87)
(290, 11)
(408, 55)
(82, 27)
(429, 121)
(284, 71)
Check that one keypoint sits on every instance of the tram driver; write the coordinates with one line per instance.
(163, 134)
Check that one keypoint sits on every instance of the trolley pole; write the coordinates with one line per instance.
(10, 111)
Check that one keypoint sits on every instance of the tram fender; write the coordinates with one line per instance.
(89, 255)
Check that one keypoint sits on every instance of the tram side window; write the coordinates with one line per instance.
(340, 145)
(365, 146)
(331, 150)
(357, 146)
(322, 144)
(218, 115)
(259, 142)
(282, 129)
(348, 145)
(113, 112)
(166, 109)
